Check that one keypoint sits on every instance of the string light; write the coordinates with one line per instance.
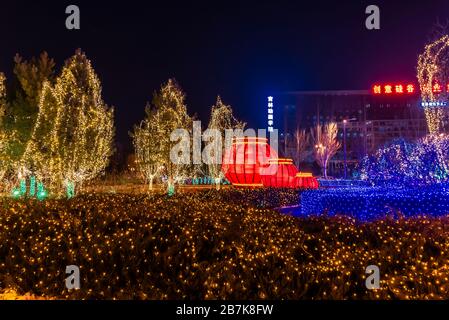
(221, 118)
(403, 163)
(3, 135)
(72, 139)
(432, 70)
(225, 246)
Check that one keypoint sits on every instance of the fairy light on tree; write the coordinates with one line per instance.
(3, 134)
(171, 114)
(72, 138)
(301, 143)
(326, 144)
(221, 119)
(23, 109)
(147, 141)
(433, 77)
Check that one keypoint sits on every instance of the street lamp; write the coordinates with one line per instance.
(345, 121)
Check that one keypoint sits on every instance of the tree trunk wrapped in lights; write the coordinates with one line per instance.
(170, 115)
(221, 119)
(433, 77)
(326, 144)
(4, 163)
(30, 76)
(72, 138)
(147, 140)
(301, 143)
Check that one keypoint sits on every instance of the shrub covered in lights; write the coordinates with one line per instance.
(374, 203)
(403, 163)
(200, 246)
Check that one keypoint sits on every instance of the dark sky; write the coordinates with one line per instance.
(242, 50)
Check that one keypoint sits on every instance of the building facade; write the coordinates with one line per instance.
(369, 118)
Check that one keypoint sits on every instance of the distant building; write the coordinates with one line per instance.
(372, 119)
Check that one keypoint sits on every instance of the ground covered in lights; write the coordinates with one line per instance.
(214, 245)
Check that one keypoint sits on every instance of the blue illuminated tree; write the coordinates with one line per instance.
(409, 164)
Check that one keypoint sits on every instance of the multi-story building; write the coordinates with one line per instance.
(370, 119)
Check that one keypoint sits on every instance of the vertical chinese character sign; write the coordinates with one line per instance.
(270, 114)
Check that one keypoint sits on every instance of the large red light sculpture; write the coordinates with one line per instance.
(246, 159)
(306, 180)
(280, 174)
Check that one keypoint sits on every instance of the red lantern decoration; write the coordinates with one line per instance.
(306, 181)
(280, 174)
(243, 162)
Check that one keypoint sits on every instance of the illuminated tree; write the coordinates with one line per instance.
(22, 113)
(170, 116)
(221, 118)
(4, 163)
(326, 144)
(433, 77)
(147, 140)
(402, 163)
(72, 139)
(301, 143)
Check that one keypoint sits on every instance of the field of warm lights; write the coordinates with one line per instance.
(211, 244)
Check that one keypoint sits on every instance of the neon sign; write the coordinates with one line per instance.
(394, 89)
(438, 88)
(434, 104)
(270, 114)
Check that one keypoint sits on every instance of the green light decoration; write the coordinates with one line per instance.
(15, 193)
(171, 190)
(23, 187)
(32, 191)
(41, 192)
(70, 190)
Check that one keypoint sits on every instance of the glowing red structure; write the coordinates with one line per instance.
(280, 174)
(306, 180)
(244, 161)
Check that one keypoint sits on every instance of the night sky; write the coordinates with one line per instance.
(242, 50)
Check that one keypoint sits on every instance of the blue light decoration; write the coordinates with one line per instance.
(403, 163)
(372, 203)
(433, 104)
(405, 178)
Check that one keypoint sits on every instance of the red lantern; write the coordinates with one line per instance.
(306, 180)
(280, 174)
(243, 162)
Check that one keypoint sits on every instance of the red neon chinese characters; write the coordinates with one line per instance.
(377, 89)
(436, 88)
(399, 88)
(410, 88)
